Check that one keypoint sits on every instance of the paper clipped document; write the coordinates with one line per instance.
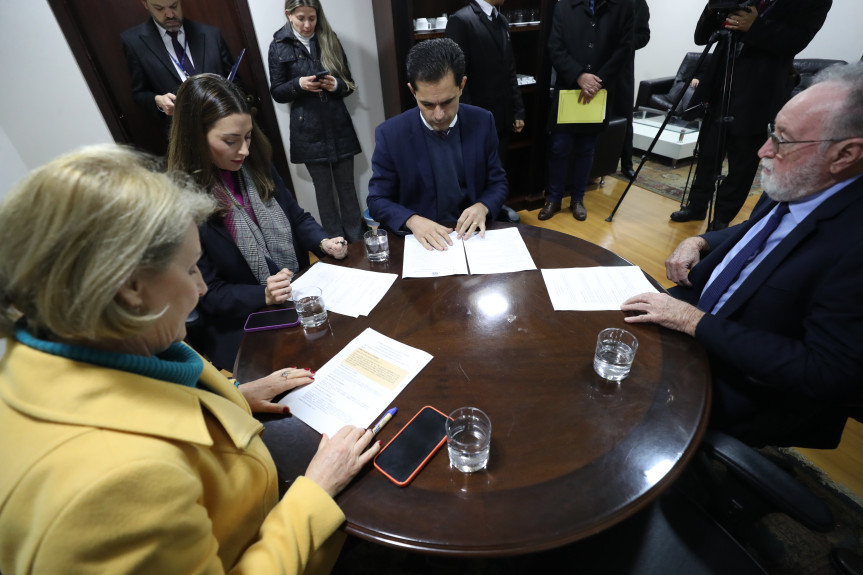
(594, 289)
(571, 111)
(500, 251)
(345, 290)
(360, 382)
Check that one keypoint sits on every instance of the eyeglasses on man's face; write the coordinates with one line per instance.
(777, 141)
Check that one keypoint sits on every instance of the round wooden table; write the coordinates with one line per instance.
(571, 454)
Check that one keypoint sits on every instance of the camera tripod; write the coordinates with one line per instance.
(719, 114)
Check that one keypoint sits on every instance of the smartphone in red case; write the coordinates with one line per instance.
(413, 446)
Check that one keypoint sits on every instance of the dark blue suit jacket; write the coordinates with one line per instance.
(232, 290)
(785, 349)
(402, 182)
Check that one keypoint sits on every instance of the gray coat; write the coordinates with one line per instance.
(321, 127)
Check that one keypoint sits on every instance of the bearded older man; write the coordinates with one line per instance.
(777, 301)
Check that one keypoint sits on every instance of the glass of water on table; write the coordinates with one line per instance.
(309, 303)
(615, 351)
(468, 438)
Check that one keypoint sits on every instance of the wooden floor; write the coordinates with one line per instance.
(642, 233)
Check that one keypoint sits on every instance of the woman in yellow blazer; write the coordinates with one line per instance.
(123, 451)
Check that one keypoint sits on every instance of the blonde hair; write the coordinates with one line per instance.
(74, 231)
(332, 54)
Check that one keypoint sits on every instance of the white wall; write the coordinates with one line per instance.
(672, 25)
(45, 106)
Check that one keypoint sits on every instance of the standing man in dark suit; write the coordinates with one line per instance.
(770, 34)
(482, 32)
(165, 50)
(623, 100)
(589, 45)
(777, 301)
(439, 163)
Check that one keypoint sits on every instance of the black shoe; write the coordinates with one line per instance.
(548, 210)
(578, 211)
(507, 214)
(629, 173)
(687, 215)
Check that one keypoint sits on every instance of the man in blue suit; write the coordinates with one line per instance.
(783, 322)
(438, 164)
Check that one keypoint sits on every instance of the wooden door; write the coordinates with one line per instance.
(93, 28)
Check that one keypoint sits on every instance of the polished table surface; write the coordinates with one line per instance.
(571, 454)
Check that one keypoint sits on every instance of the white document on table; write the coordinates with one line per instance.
(500, 251)
(419, 262)
(593, 289)
(347, 291)
(356, 385)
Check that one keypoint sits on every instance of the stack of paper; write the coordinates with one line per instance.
(347, 291)
(358, 383)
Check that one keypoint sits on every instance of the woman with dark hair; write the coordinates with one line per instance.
(309, 70)
(259, 236)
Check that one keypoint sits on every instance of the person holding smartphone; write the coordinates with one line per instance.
(309, 71)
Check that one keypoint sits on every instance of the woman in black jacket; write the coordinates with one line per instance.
(309, 69)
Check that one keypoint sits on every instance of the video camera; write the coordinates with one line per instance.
(725, 7)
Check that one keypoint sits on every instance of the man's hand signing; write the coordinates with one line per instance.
(472, 219)
(431, 235)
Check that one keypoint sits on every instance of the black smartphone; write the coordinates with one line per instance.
(322, 74)
(413, 446)
(273, 319)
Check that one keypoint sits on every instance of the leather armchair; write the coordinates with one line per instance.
(660, 93)
(806, 68)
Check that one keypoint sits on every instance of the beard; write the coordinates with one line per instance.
(804, 180)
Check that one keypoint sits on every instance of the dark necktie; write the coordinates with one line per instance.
(184, 62)
(729, 275)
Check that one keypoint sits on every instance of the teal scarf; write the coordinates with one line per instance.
(177, 364)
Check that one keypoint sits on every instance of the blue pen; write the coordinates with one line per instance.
(387, 416)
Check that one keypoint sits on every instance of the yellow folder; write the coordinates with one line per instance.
(570, 111)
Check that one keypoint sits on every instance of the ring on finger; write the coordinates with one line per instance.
(286, 373)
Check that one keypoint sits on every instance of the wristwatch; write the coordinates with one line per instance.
(321, 245)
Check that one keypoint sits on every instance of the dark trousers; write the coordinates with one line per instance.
(743, 160)
(343, 219)
(570, 154)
